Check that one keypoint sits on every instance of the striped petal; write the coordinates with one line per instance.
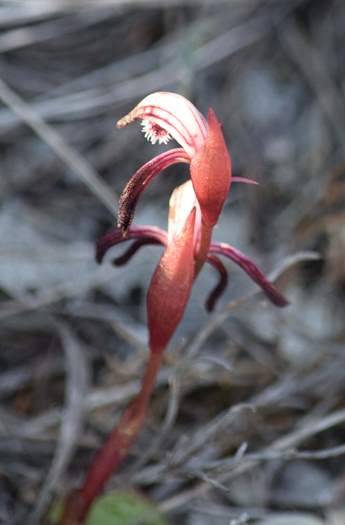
(175, 115)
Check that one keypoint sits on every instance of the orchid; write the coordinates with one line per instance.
(194, 210)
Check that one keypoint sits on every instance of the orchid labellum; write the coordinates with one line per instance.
(194, 210)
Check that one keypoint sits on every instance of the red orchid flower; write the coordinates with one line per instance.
(169, 115)
(194, 209)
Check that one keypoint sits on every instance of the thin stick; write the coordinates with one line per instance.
(64, 151)
(76, 387)
(114, 450)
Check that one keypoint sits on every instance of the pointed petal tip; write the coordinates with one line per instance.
(124, 121)
(252, 270)
(100, 251)
(105, 243)
(279, 300)
(212, 117)
(244, 180)
(213, 120)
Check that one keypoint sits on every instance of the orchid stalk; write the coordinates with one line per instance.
(194, 209)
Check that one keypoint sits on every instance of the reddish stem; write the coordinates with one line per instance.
(114, 450)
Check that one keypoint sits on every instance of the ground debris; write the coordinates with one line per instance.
(247, 419)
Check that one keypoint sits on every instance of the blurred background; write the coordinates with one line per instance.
(247, 423)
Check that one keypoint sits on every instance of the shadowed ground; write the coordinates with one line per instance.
(247, 419)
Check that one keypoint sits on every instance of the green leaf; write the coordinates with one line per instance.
(124, 508)
(55, 513)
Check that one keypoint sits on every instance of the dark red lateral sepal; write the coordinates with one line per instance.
(251, 269)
